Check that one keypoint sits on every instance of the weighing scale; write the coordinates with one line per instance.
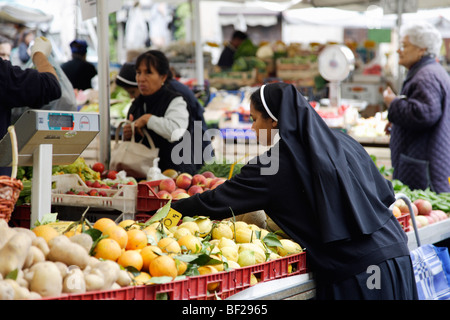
(335, 64)
(46, 138)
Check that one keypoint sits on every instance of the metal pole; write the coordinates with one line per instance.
(103, 81)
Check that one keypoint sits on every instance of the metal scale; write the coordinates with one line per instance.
(335, 64)
(46, 138)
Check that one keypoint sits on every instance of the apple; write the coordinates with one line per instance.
(435, 216)
(181, 195)
(414, 207)
(430, 219)
(184, 181)
(195, 189)
(208, 174)
(441, 215)
(177, 191)
(96, 184)
(208, 182)
(400, 203)
(98, 167)
(198, 180)
(217, 183)
(422, 220)
(89, 183)
(164, 194)
(167, 185)
(424, 207)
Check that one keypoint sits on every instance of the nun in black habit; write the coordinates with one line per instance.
(322, 189)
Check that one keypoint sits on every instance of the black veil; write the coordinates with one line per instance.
(348, 194)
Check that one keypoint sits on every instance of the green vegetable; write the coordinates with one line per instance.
(221, 169)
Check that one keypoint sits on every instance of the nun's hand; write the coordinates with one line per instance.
(388, 96)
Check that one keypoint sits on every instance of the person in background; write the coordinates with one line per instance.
(27, 88)
(5, 48)
(127, 80)
(24, 44)
(160, 110)
(79, 71)
(419, 118)
(335, 203)
(227, 56)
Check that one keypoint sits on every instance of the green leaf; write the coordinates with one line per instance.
(160, 214)
(160, 280)
(271, 240)
(12, 275)
(47, 218)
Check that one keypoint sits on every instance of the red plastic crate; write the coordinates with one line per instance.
(198, 286)
(175, 290)
(125, 293)
(240, 279)
(404, 221)
(20, 217)
(147, 200)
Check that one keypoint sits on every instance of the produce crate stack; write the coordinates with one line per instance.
(299, 70)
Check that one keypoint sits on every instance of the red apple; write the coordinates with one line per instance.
(177, 191)
(400, 203)
(414, 207)
(198, 180)
(181, 195)
(217, 183)
(184, 181)
(98, 167)
(195, 189)
(430, 219)
(167, 185)
(208, 174)
(424, 207)
(163, 194)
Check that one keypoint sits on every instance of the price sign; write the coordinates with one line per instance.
(172, 218)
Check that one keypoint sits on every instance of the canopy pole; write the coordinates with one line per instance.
(103, 81)
(199, 65)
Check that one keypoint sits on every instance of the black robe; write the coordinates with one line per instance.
(320, 187)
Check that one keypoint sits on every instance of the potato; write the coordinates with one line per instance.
(20, 293)
(94, 280)
(62, 268)
(28, 232)
(34, 255)
(74, 281)
(5, 232)
(14, 253)
(6, 290)
(41, 244)
(110, 271)
(47, 280)
(124, 278)
(68, 252)
(84, 240)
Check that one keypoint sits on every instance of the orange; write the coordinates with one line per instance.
(117, 233)
(137, 239)
(131, 258)
(128, 224)
(181, 266)
(45, 231)
(103, 223)
(148, 254)
(190, 242)
(108, 249)
(209, 270)
(163, 266)
(169, 245)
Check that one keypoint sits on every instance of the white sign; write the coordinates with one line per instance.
(89, 7)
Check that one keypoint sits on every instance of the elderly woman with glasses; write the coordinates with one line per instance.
(420, 116)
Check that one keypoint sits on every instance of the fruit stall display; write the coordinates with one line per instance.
(194, 259)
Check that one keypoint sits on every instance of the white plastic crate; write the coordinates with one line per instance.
(122, 199)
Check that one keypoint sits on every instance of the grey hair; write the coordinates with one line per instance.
(424, 35)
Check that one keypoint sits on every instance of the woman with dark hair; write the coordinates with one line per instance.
(163, 112)
(323, 190)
